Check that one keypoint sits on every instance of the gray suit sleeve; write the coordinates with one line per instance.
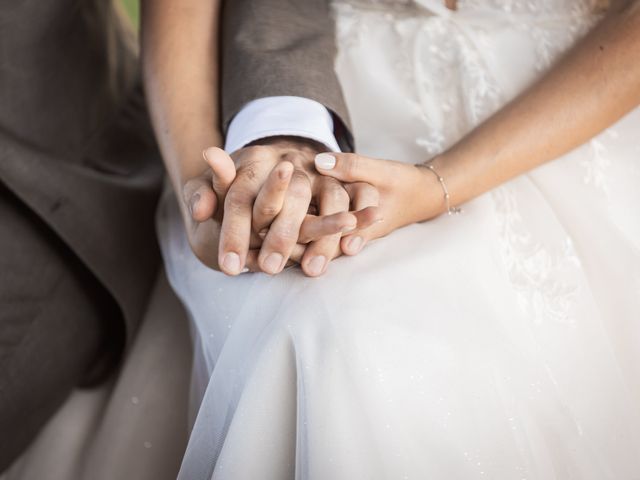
(281, 47)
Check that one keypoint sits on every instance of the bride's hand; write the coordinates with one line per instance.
(408, 193)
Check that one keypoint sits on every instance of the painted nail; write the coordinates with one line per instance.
(273, 263)
(355, 244)
(231, 263)
(263, 233)
(245, 270)
(325, 161)
(193, 201)
(316, 265)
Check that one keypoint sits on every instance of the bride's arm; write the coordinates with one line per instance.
(180, 70)
(594, 85)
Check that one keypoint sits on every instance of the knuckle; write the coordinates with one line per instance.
(234, 198)
(300, 187)
(368, 192)
(249, 170)
(296, 157)
(255, 152)
(372, 191)
(287, 233)
(190, 187)
(327, 246)
(231, 235)
(350, 164)
(237, 200)
(281, 242)
(335, 192)
(250, 173)
(290, 155)
(267, 210)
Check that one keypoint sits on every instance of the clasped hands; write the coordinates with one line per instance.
(276, 203)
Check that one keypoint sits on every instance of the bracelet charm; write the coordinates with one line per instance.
(451, 210)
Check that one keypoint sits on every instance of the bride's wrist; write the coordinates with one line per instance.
(438, 198)
(432, 202)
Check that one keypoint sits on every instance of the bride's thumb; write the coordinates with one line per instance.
(349, 167)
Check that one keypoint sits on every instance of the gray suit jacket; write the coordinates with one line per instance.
(75, 141)
(281, 47)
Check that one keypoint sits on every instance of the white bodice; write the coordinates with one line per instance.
(510, 7)
(475, 58)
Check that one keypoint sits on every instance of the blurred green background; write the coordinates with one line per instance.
(133, 9)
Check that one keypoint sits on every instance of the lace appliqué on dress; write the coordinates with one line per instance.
(596, 165)
(449, 68)
(537, 274)
(440, 57)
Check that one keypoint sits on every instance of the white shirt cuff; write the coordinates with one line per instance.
(275, 116)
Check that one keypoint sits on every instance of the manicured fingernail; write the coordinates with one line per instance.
(273, 263)
(195, 198)
(263, 233)
(316, 265)
(355, 244)
(231, 263)
(245, 270)
(325, 161)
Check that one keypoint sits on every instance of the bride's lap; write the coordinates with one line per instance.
(330, 364)
(434, 290)
(502, 275)
(492, 319)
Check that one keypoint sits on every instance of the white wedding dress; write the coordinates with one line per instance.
(503, 343)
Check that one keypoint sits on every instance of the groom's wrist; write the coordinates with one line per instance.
(282, 116)
(302, 144)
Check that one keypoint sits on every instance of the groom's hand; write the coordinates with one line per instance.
(201, 206)
(204, 196)
(275, 185)
(281, 208)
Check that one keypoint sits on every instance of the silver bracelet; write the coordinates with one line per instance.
(450, 210)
